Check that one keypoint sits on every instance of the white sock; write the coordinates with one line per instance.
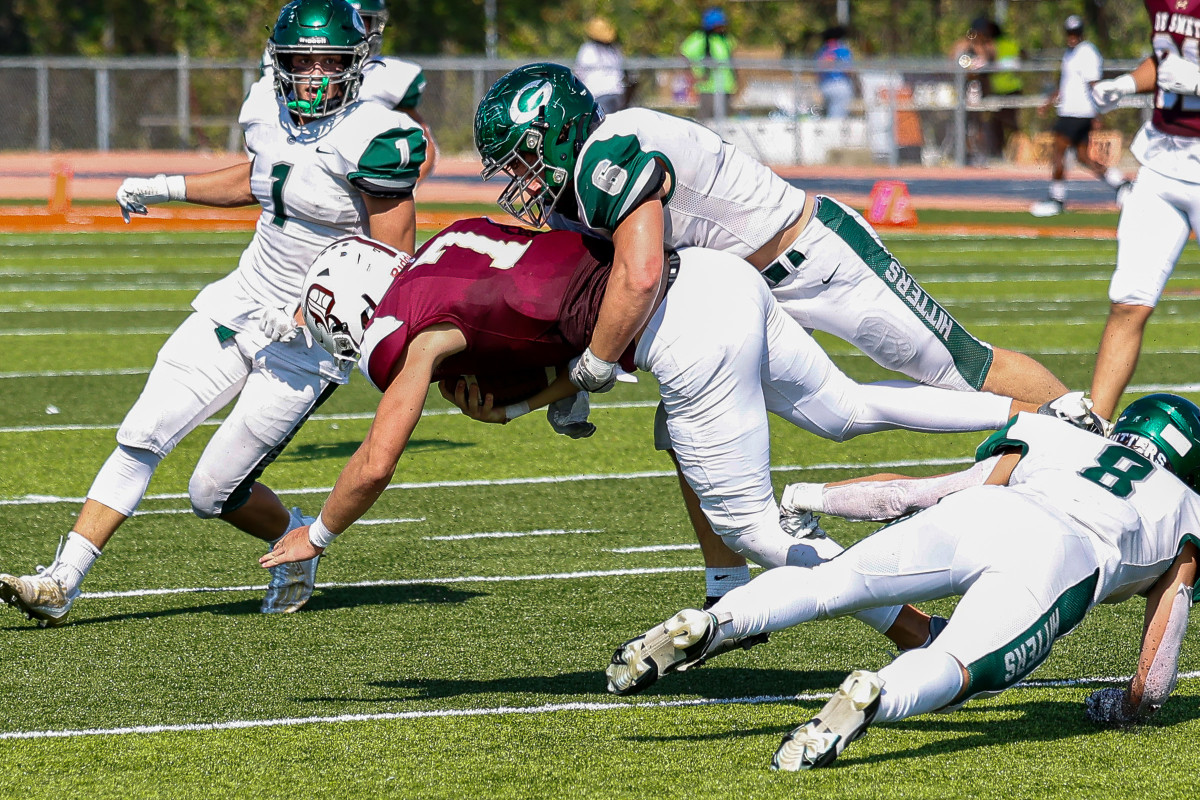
(71, 565)
(719, 580)
(1114, 177)
(917, 682)
(1058, 191)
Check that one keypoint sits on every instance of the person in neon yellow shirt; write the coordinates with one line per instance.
(711, 43)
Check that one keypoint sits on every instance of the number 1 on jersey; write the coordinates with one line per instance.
(279, 176)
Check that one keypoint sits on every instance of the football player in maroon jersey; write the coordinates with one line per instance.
(1163, 208)
(483, 297)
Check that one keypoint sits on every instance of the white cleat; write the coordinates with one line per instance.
(291, 584)
(674, 646)
(1046, 208)
(40, 597)
(844, 718)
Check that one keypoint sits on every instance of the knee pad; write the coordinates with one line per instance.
(121, 483)
(208, 491)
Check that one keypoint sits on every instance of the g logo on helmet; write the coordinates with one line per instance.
(525, 106)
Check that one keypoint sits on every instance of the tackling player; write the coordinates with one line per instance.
(1054, 521)
(1163, 207)
(323, 166)
(645, 179)
(484, 297)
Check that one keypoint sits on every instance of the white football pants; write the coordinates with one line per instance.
(194, 376)
(1026, 574)
(724, 354)
(1157, 218)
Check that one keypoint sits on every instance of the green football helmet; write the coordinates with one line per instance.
(531, 125)
(374, 15)
(1165, 428)
(318, 27)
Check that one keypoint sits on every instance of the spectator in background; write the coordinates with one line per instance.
(974, 52)
(1005, 83)
(601, 65)
(1082, 65)
(711, 43)
(836, 87)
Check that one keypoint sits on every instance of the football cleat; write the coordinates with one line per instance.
(291, 584)
(40, 597)
(674, 646)
(818, 742)
(1046, 208)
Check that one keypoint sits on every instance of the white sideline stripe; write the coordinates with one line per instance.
(31, 309)
(47, 499)
(833, 350)
(548, 708)
(433, 412)
(654, 548)
(510, 534)
(394, 521)
(550, 576)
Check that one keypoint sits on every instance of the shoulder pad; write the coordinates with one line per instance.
(612, 176)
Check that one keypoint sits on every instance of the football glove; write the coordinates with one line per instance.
(1107, 707)
(569, 416)
(136, 193)
(1177, 74)
(1106, 94)
(276, 324)
(593, 374)
(1076, 409)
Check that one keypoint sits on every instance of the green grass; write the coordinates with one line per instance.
(473, 667)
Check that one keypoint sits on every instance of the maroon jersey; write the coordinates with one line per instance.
(522, 298)
(1176, 29)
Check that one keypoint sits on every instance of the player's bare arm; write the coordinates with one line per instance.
(368, 472)
(635, 283)
(1167, 606)
(393, 221)
(223, 188)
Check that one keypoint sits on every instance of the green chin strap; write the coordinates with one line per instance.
(307, 108)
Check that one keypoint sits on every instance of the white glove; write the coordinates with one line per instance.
(593, 374)
(1106, 94)
(1177, 74)
(136, 193)
(276, 324)
(569, 416)
(1107, 707)
(1076, 408)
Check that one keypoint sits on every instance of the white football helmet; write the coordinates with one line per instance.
(342, 289)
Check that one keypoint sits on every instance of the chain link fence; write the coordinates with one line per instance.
(905, 111)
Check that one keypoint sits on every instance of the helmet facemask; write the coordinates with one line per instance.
(333, 90)
(534, 187)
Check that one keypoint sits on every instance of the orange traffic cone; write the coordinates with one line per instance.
(60, 188)
(891, 204)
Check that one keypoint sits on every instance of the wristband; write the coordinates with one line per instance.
(515, 410)
(176, 187)
(1125, 83)
(319, 535)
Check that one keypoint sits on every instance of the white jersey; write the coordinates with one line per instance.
(391, 82)
(310, 181)
(1177, 157)
(1137, 515)
(1082, 66)
(719, 197)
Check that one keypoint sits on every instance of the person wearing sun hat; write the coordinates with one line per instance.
(601, 65)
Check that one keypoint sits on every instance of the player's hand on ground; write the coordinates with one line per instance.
(135, 194)
(295, 546)
(1110, 708)
(468, 400)
(276, 324)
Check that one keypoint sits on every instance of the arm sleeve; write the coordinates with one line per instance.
(882, 500)
(390, 164)
(1164, 667)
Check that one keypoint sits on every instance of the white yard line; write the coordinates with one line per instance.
(654, 548)
(548, 708)
(510, 534)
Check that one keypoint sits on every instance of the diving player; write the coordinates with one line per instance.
(1056, 520)
(323, 166)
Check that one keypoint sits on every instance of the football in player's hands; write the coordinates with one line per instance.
(510, 387)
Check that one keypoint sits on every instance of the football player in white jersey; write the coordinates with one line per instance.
(1053, 521)
(645, 179)
(323, 166)
(387, 80)
(1163, 208)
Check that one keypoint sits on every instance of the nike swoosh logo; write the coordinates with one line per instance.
(721, 577)
(326, 151)
(835, 269)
